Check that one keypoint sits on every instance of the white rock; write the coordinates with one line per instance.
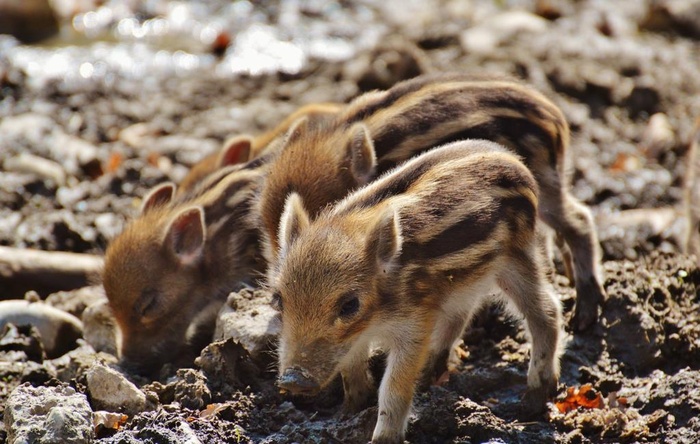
(658, 136)
(111, 391)
(73, 152)
(48, 415)
(33, 128)
(489, 34)
(43, 168)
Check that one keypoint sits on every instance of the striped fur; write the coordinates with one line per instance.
(167, 274)
(379, 130)
(403, 263)
(239, 149)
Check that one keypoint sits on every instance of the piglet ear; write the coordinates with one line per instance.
(159, 196)
(185, 236)
(360, 152)
(235, 150)
(296, 129)
(294, 220)
(385, 239)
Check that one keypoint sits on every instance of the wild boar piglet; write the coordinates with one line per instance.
(379, 130)
(170, 270)
(403, 264)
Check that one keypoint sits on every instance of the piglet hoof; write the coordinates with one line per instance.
(589, 296)
(534, 403)
(387, 440)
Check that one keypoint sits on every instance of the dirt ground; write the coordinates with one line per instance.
(115, 107)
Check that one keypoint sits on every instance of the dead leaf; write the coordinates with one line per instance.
(108, 421)
(212, 410)
(585, 397)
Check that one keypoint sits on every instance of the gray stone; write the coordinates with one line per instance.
(48, 415)
(248, 317)
(76, 363)
(111, 391)
(99, 327)
(76, 301)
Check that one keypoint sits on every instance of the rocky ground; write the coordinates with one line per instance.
(128, 96)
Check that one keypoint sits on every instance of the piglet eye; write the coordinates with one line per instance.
(147, 303)
(277, 301)
(350, 306)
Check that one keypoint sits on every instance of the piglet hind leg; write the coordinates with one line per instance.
(449, 328)
(357, 383)
(523, 283)
(407, 356)
(574, 223)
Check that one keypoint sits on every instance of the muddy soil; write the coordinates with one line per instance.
(127, 97)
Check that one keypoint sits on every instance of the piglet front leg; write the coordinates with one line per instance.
(406, 359)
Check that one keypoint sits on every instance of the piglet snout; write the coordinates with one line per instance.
(297, 381)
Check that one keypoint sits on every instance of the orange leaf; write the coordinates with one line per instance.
(589, 398)
(115, 160)
(211, 410)
(625, 162)
(585, 397)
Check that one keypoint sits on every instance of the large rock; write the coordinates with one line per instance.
(248, 318)
(48, 415)
(110, 390)
(59, 330)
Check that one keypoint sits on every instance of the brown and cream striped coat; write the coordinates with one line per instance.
(403, 264)
(381, 129)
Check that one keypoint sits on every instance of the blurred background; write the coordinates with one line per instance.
(101, 100)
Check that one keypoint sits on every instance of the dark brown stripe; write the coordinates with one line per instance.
(425, 285)
(419, 119)
(519, 208)
(474, 228)
(220, 208)
(258, 161)
(392, 95)
(510, 98)
(214, 178)
(512, 130)
(398, 185)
